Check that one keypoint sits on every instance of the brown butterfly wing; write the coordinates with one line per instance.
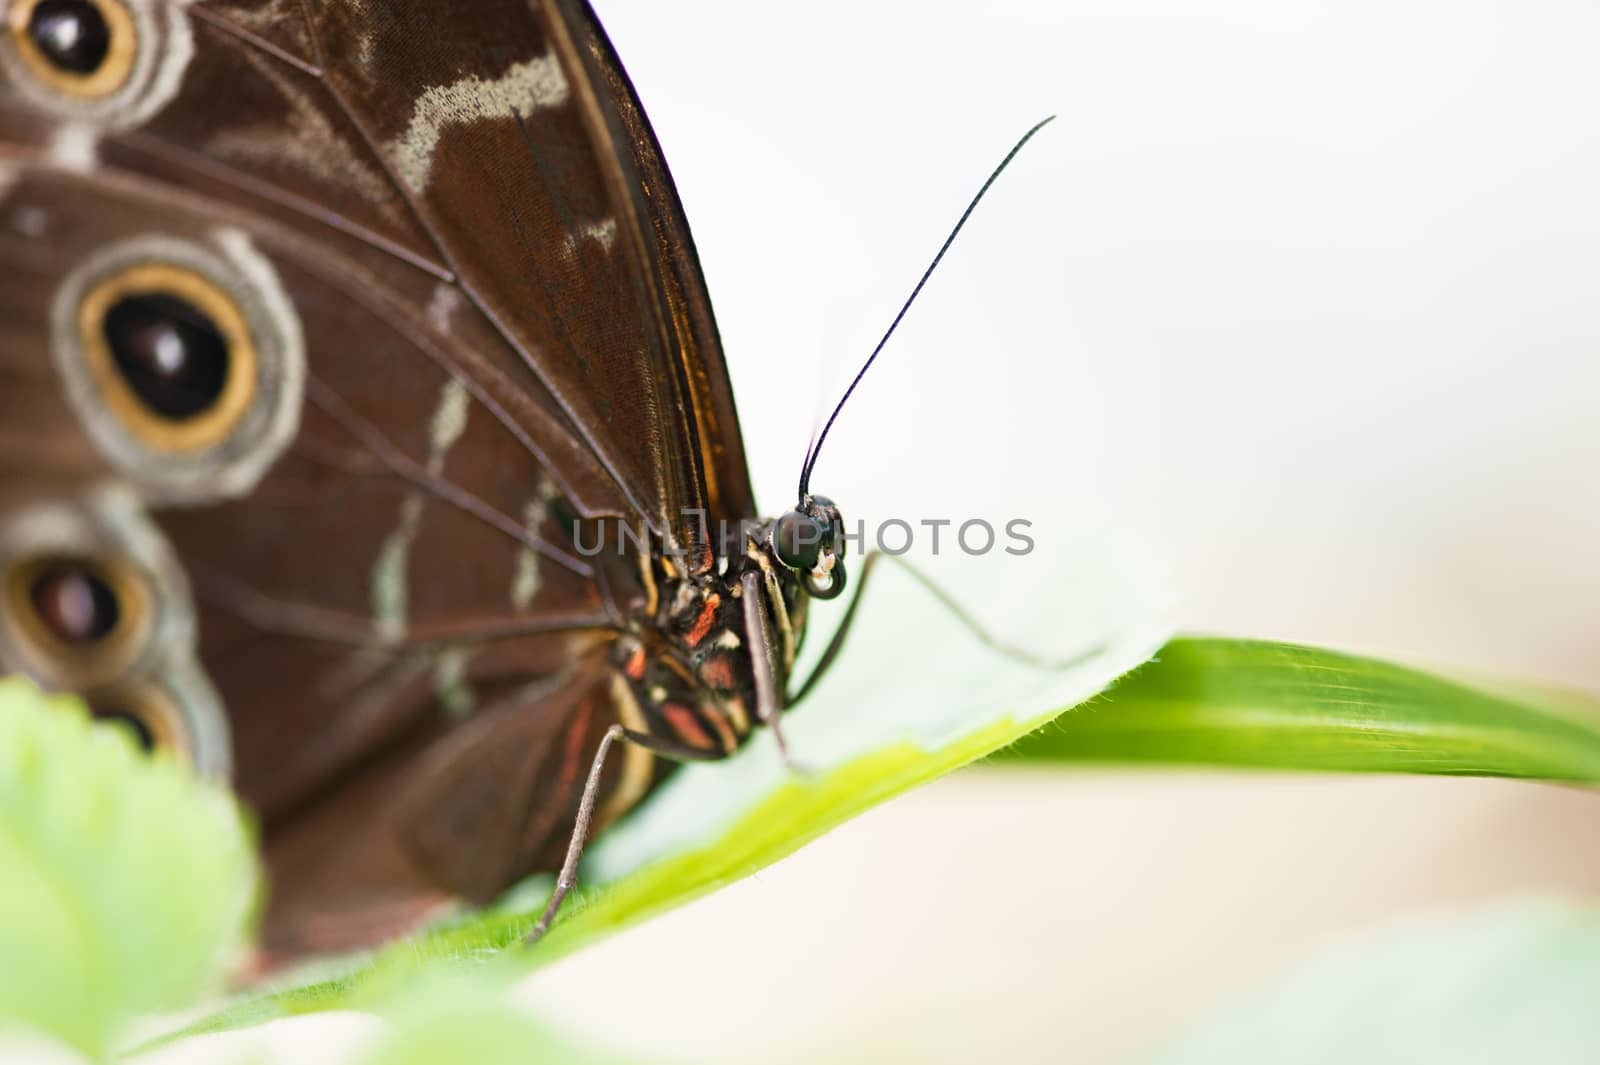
(695, 349)
(297, 564)
(503, 326)
(513, 782)
(512, 138)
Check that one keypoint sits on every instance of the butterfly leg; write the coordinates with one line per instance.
(948, 601)
(836, 642)
(567, 878)
(763, 660)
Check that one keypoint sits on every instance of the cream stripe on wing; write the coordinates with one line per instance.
(524, 87)
(450, 685)
(390, 571)
(526, 578)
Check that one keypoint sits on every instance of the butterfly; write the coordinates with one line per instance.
(366, 439)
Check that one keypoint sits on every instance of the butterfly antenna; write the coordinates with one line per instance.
(816, 447)
(811, 445)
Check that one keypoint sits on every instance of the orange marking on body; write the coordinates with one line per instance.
(684, 723)
(635, 665)
(702, 624)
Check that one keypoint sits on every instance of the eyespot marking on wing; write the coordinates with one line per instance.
(112, 64)
(184, 362)
(92, 599)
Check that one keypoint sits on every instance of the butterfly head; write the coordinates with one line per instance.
(810, 541)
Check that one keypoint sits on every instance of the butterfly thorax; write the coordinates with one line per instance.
(689, 650)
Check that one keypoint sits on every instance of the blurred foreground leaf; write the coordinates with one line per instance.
(1256, 704)
(442, 1020)
(125, 883)
(1514, 982)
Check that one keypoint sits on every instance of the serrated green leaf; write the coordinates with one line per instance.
(1257, 704)
(125, 883)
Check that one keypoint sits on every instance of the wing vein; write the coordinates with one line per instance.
(476, 297)
(403, 466)
(309, 621)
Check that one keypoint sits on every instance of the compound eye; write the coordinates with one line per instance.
(824, 511)
(797, 539)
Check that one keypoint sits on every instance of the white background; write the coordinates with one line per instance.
(1299, 297)
(1304, 296)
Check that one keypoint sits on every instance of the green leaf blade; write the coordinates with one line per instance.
(1264, 705)
(1214, 702)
